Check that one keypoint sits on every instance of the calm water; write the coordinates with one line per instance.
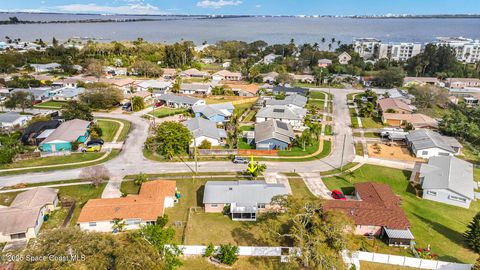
(272, 30)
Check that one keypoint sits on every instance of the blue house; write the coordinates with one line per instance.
(218, 113)
(61, 138)
(273, 134)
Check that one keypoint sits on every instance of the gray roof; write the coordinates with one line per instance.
(295, 99)
(70, 92)
(449, 173)
(424, 139)
(282, 112)
(195, 87)
(242, 193)
(178, 99)
(69, 131)
(273, 129)
(210, 110)
(399, 234)
(38, 93)
(9, 117)
(24, 210)
(203, 127)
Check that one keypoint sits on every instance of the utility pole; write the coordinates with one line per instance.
(343, 152)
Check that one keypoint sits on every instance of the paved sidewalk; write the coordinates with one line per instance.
(112, 189)
(403, 165)
(315, 185)
(277, 178)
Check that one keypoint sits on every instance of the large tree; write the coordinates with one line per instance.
(320, 235)
(147, 69)
(94, 68)
(20, 99)
(138, 103)
(472, 235)
(101, 96)
(169, 139)
(76, 110)
(391, 77)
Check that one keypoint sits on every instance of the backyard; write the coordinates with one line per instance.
(165, 111)
(437, 224)
(51, 104)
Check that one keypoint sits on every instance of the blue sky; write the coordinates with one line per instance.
(250, 7)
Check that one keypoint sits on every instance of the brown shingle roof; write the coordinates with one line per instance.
(418, 120)
(379, 206)
(395, 104)
(147, 205)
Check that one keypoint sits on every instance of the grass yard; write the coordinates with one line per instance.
(476, 173)
(165, 112)
(129, 187)
(250, 116)
(371, 122)
(299, 189)
(381, 266)
(242, 144)
(243, 263)
(347, 166)
(75, 157)
(51, 104)
(316, 95)
(438, 224)
(318, 103)
(328, 130)
(7, 198)
(297, 151)
(109, 129)
(327, 145)
(359, 149)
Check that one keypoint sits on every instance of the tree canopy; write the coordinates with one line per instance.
(169, 139)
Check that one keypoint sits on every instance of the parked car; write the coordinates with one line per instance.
(127, 106)
(240, 160)
(95, 141)
(338, 195)
(92, 148)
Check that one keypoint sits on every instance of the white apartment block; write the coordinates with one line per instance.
(366, 47)
(399, 51)
(467, 50)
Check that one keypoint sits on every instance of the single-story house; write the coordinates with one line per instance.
(169, 73)
(270, 58)
(304, 78)
(61, 139)
(245, 198)
(203, 129)
(38, 94)
(462, 82)
(155, 85)
(226, 75)
(218, 113)
(324, 63)
(145, 95)
(375, 210)
(244, 90)
(29, 135)
(116, 71)
(67, 93)
(344, 58)
(295, 101)
(134, 210)
(270, 77)
(289, 90)
(125, 84)
(398, 94)
(417, 120)
(46, 67)
(273, 134)
(290, 115)
(13, 119)
(426, 144)
(195, 89)
(413, 81)
(179, 101)
(397, 105)
(194, 73)
(447, 180)
(471, 101)
(24, 217)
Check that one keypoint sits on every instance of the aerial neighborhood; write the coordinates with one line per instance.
(218, 150)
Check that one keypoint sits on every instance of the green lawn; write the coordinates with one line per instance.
(299, 189)
(51, 104)
(250, 116)
(319, 103)
(126, 128)
(109, 129)
(381, 266)
(476, 173)
(371, 122)
(328, 130)
(359, 149)
(335, 171)
(316, 95)
(367, 134)
(241, 108)
(243, 263)
(164, 112)
(75, 157)
(242, 144)
(247, 128)
(325, 152)
(298, 151)
(438, 224)
(129, 187)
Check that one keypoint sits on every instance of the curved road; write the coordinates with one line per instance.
(131, 159)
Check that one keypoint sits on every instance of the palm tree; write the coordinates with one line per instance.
(316, 46)
(329, 46)
(323, 40)
(333, 40)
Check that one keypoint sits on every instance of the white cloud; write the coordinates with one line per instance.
(135, 7)
(218, 4)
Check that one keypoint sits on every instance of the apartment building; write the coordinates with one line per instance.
(467, 50)
(398, 51)
(366, 47)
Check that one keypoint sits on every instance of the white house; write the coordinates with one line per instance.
(133, 211)
(344, 58)
(155, 85)
(426, 144)
(270, 58)
(46, 67)
(225, 75)
(205, 130)
(23, 219)
(287, 114)
(195, 89)
(13, 119)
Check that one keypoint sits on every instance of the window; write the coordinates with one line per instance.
(18, 236)
(214, 205)
(456, 198)
(92, 224)
(150, 222)
(443, 154)
(261, 205)
(432, 193)
(424, 153)
(135, 221)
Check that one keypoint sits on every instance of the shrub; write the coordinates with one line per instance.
(210, 250)
(228, 254)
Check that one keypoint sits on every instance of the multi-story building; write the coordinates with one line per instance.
(467, 50)
(398, 51)
(366, 47)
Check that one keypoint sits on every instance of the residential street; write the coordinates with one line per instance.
(131, 159)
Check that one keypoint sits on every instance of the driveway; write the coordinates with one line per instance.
(315, 184)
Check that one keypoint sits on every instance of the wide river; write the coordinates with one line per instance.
(270, 29)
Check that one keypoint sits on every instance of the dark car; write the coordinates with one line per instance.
(338, 195)
(95, 141)
(127, 106)
(240, 160)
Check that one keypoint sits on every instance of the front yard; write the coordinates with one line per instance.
(109, 129)
(165, 112)
(51, 104)
(437, 224)
(73, 158)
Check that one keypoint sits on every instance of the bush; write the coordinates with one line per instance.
(162, 221)
(228, 254)
(205, 145)
(210, 250)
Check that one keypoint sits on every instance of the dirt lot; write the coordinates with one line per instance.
(394, 151)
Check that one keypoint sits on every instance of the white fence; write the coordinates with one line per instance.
(408, 261)
(243, 251)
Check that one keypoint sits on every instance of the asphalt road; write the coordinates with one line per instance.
(131, 159)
